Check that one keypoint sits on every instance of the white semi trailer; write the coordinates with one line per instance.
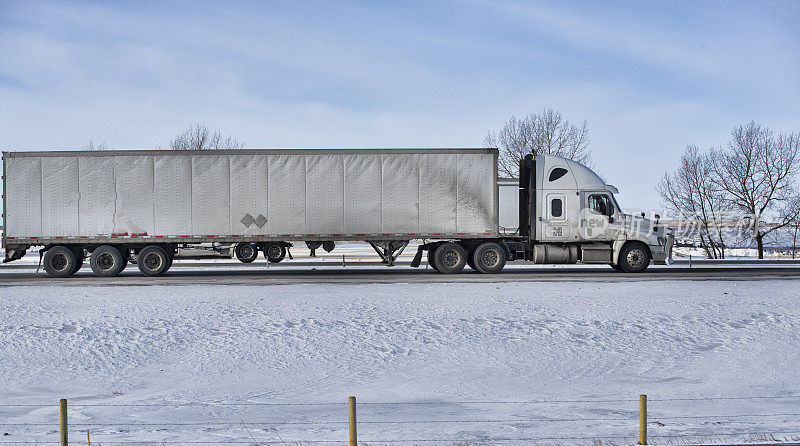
(109, 204)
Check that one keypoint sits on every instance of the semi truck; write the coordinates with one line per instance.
(108, 206)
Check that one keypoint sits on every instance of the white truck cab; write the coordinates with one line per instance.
(573, 215)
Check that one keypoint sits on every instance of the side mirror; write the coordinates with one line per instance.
(643, 214)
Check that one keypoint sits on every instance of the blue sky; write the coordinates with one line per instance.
(650, 77)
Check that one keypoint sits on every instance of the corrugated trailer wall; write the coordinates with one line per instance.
(269, 193)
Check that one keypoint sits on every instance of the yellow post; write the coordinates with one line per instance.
(351, 403)
(88, 440)
(62, 424)
(642, 419)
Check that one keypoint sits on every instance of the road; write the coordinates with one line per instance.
(225, 273)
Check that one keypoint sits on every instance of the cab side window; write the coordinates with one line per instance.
(601, 204)
(556, 208)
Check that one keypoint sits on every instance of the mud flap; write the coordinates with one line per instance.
(418, 257)
(14, 254)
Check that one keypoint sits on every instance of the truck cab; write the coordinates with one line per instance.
(568, 213)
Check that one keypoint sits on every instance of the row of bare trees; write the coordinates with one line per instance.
(196, 137)
(547, 132)
(749, 184)
(200, 137)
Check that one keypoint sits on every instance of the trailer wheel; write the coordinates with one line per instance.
(107, 261)
(60, 261)
(246, 252)
(432, 258)
(450, 258)
(634, 257)
(489, 258)
(153, 260)
(274, 252)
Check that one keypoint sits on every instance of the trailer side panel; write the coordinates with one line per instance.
(249, 194)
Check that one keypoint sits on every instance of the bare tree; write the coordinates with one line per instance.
(793, 208)
(756, 171)
(690, 192)
(92, 146)
(547, 132)
(199, 137)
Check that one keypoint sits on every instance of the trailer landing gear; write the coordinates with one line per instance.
(389, 250)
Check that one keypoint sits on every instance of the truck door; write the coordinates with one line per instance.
(600, 219)
(554, 219)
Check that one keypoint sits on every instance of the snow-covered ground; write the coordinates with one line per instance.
(558, 359)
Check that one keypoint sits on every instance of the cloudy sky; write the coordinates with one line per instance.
(649, 77)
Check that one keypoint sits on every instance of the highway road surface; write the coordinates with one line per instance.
(234, 273)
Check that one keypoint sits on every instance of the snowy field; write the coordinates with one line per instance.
(467, 363)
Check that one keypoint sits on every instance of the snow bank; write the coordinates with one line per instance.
(450, 346)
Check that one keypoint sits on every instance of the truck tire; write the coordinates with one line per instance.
(246, 252)
(126, 255)
(153, 260)
(170, 256)
(80, 256)
(432, 258)
(489, 258)
(60, 261)
(450, 258)
(634, 257)
(470, 261)
(107, 261)
(274, 252)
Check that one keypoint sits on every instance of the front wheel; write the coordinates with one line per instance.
(246, 252)
(634, 258)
